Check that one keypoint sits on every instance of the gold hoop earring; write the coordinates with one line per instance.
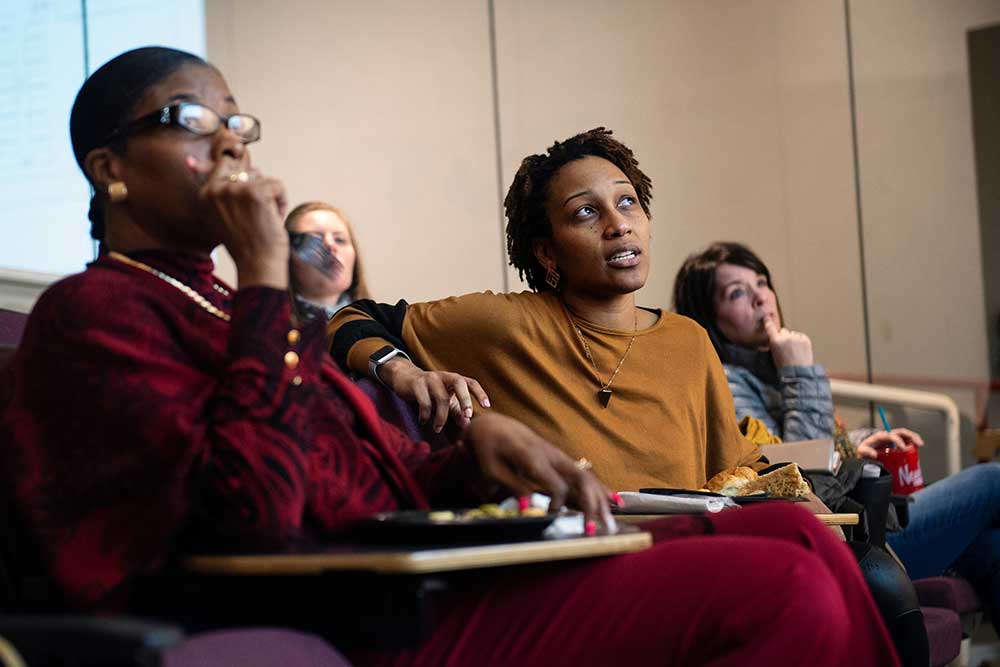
(552, 277)
(117, 192)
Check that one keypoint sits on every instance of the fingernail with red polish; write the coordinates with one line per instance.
(590, 528)
(616, 499)
(523, 502)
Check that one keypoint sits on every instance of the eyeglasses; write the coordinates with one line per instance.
(194, 118)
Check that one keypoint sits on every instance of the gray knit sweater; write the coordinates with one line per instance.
(799, 406)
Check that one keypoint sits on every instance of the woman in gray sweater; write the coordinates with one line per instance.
(771, 371)
(954, 523)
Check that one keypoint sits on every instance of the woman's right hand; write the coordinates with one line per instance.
(788, 348)
(903, 438)
(247, 208)
(437, 393)
(513, 455)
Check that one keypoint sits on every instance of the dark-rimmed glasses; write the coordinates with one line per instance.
(195, 118)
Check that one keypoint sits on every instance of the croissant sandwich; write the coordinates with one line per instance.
(786, 481)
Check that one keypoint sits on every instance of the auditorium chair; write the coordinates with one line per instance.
(34, 633)
(11, 329)
(400, 414)
(956, 594)
(946, 592)
(923, 632)
(33, 625)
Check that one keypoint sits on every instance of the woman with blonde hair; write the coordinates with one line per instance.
(325, 267)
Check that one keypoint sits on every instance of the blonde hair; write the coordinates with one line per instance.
(358, 288)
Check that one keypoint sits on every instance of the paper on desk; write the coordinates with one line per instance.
(652, 503)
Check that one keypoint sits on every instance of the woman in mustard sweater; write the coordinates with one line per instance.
(639, 392)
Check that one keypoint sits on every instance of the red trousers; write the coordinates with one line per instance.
(769, 586)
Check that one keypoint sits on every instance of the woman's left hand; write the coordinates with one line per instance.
(512, 454)
(903, 438)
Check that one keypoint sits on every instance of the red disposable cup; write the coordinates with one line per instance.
(904, 466)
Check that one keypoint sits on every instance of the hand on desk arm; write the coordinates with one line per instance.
(512, 455)
(902, 438)
(436, 393)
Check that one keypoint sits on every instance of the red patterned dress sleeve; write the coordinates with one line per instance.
(137, 421)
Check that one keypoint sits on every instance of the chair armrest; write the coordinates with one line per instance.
(902, 506)
(953, 593)
(79, 640)
(910, 397)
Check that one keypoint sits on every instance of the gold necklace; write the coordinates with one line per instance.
(604, 394)
(170, 280)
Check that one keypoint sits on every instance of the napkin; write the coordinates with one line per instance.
(652, 503)
(569, 524)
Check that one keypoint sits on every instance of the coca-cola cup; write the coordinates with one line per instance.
(904, 467)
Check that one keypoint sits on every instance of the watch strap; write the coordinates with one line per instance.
(379, 358)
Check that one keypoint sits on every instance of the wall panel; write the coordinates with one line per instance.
(919, 185)
(739, 113)
(384, 109)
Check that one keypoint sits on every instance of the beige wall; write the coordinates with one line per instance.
(984, 75)
(738, 111)
(384, 109)
(919, 185)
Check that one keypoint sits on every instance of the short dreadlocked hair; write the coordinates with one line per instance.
(525, 201)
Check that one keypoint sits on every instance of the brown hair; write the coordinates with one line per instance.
(525, 201)
(694, 286)
(358, 288)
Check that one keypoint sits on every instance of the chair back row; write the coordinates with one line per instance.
(16, 583)
(11, 329)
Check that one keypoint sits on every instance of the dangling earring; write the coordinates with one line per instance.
(552, 277)
(117, 192)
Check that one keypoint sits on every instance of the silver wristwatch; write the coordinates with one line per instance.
(381, 356)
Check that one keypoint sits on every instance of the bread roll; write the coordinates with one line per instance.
(729, 482)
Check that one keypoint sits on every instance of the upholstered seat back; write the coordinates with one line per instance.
(11, 329)
(399, 413)
(254, 647)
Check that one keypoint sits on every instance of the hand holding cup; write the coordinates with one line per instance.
(899, 438)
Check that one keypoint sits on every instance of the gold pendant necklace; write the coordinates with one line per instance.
(604, 393)
(170, 280)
